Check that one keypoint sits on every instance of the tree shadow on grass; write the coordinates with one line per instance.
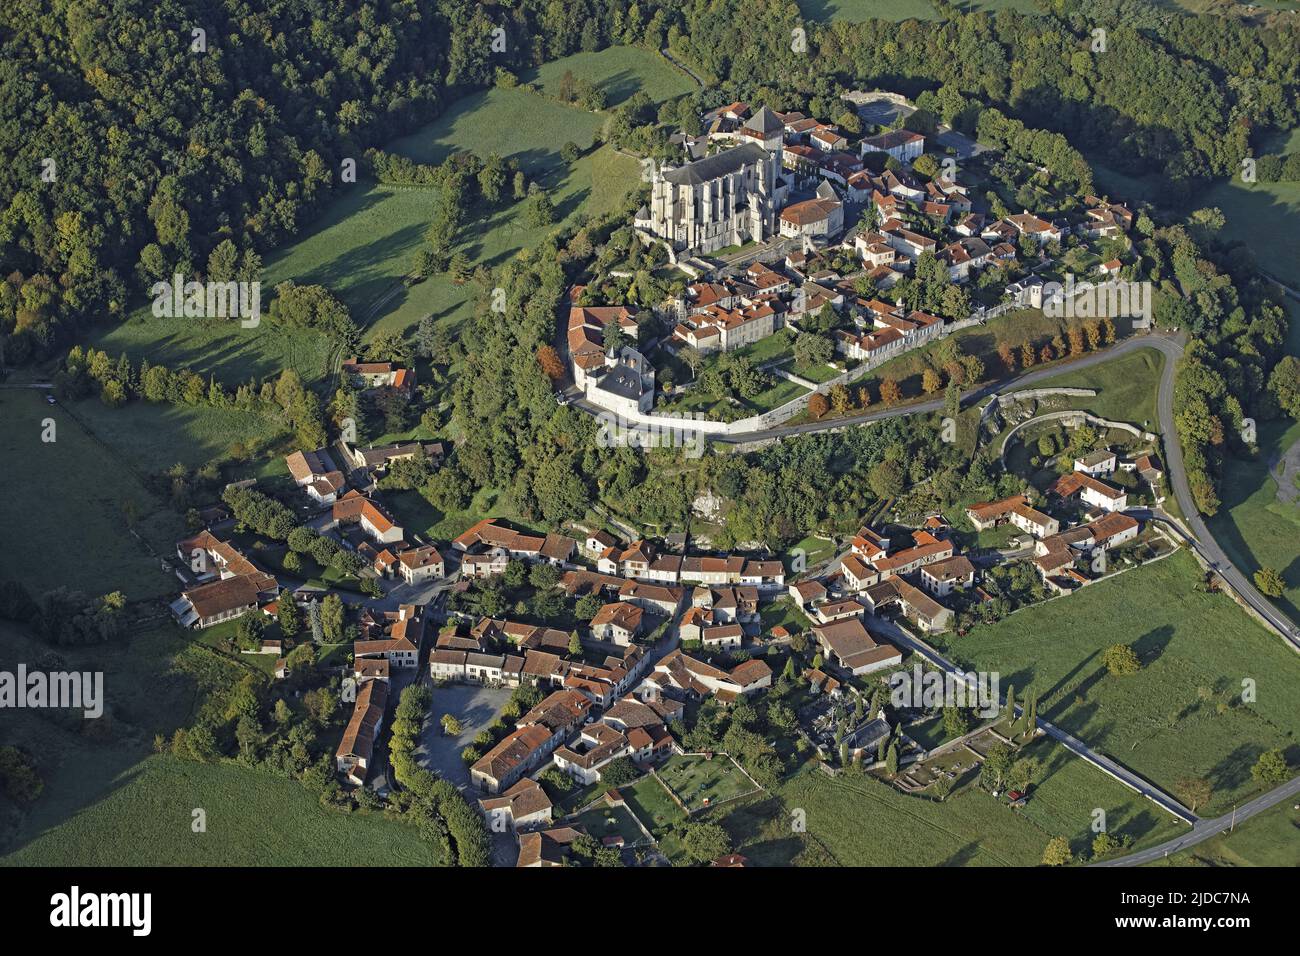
(1233, 771)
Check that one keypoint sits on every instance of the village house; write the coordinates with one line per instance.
(545, 848)
(1055, 556)
(806, 593)
(1099, 462)
(832, 611)
(523, 806)
(942, 577)
(401, 646)
(315, 473)
(857, 573)
(560, 714)
(491, 536)
(617, 623)
(355, 751)
(729, 605)
(699, 679)
(822, 216)
(520, 752)
(229, 584)
(723, 636)
(850, 646)
(656, 598)
(423, 563)
(902, 144)
(1090, 490)
(926, 549)
(596, 746)
(1014, 510)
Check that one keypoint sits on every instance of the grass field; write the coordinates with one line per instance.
(253, 819)
(620, 71)
(111, 802)
(75, 507)
(414, 513)
(601, 821)
(700, 782)
(1254, 527)
(859, 821)
(1270, 839)
(856, 11)
(1126, 388)
(1265, 216)
(217, 346)
(1182, 714)
(155, 437)
(364, 243)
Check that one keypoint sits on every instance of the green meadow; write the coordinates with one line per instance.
(1183, 714)
(76, 525)
(1265, 216)
(861, 821)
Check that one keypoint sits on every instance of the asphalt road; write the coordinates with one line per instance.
(1205, 829)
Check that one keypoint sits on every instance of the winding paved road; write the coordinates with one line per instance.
(1205, 829)
(1168, 344)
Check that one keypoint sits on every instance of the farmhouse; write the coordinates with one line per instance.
(376, 460)
(1014, 510)
(377, 375)
(851, 647)
(354, 508)
(929, 615)
(353, 756)
(314, 472)
(240, 585)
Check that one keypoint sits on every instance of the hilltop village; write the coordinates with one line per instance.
(863, 245)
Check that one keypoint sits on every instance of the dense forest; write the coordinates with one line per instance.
(136, 146)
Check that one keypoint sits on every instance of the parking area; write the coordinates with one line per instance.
(475, 707)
